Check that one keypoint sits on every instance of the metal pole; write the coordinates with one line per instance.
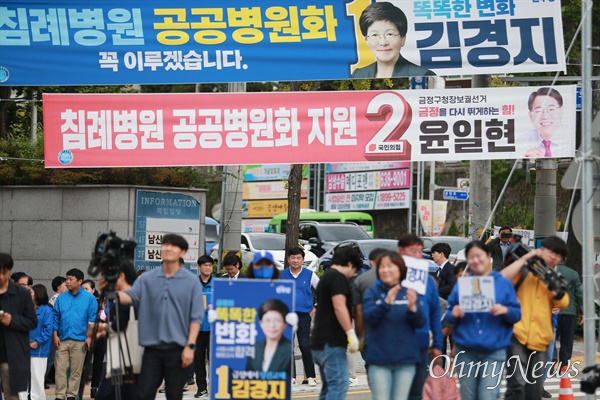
(410, 203)
(34, 118)
(417, 220)
(222, 220)
(587, 186)
(318, 194)
(545, 198)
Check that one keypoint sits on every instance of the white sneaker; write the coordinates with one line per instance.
(312, 382)
(353, 382)
(293, 381)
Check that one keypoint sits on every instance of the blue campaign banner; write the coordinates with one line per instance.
(159, 213)
(251, 350)
(72, 42)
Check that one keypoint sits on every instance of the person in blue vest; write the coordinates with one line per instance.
(205, 269)
(306, 284)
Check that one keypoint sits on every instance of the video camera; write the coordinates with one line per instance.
(590, 384)
(109, 254)
(552, 279)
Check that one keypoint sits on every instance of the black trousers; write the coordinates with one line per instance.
(567, 324)
(159, 364)
(201, 354)
(522, 381)
(303, 335)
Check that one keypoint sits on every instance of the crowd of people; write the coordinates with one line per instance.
(401, 334)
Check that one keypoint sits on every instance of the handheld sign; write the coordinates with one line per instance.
(476, 293)
(416, 274)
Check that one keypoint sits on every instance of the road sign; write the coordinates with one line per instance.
(456, 195)
(463, 183)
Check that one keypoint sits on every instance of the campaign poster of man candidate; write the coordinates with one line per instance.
(251, 339)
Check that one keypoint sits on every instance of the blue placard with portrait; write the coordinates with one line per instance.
(74, 42)
(251, 348)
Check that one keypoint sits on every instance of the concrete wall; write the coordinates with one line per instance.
(51, 229)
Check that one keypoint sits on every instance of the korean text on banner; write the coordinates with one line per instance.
(159, 213)
(417, 272)
(126, 130)
(439, 217)
(159, 41)
(250, 314)
(476, 293)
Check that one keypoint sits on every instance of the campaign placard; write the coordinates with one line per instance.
(476, 293)
(251, 351)
(417, 271)
(127, 130)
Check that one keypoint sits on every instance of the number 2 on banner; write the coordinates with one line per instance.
(386, 144)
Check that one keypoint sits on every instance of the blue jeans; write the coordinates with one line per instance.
(391, 382)
(334, 372)
(479, 373)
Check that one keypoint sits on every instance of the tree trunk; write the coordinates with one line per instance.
(4, 95)
(292, 229)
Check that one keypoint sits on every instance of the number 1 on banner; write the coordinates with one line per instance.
(223, 377)
(386, 144)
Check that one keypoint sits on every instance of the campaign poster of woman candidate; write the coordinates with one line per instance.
(251, 341)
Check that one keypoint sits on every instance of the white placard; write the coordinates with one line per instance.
(476, 293)
(416, 274)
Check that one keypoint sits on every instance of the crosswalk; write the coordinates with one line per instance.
(552, 386)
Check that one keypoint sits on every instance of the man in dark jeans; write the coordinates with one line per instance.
(205, 269)
(306, 283)
(167, 332)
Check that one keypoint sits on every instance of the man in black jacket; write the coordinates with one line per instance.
(17, 318)
(445, 275)
(499, 248)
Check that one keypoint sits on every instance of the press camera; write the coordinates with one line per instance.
(592, 383)
(109, 254)
(552, 279)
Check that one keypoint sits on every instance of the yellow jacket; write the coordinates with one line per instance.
(535, 330)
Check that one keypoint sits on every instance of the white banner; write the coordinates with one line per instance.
(417, 271)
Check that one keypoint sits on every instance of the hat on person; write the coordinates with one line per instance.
(263, 255)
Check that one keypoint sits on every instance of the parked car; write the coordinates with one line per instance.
(274, 242)
(364, 247)
(456, 243)
(211, 234)
(324, 236)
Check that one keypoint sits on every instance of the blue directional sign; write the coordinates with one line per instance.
(456, 195)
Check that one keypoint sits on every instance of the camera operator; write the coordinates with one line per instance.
(106, 390)
(170, 315)
(533, 334)
(499, 248)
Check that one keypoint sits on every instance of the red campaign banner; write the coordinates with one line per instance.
(137, 130)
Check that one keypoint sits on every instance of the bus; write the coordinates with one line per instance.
(364, 220)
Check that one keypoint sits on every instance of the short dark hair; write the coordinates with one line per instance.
(545, 91)
(29, 280)
(409, 239)
(383, 11)
(77, 273)
(40, 294)
(344, 255)
(396, 259)
(205, 259)
(294, 251)
(504, 228)
(175, 240)
(376, 253)
(57, 281)
(17, 276)
(6, 262)
(442, 248)
(459, 267)
(555, 244)
(91, 282)
(477, 244)
(273, 305)
(128, 271)
(232, 259)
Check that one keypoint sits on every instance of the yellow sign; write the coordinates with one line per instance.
(267, 208)
(269, 190)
